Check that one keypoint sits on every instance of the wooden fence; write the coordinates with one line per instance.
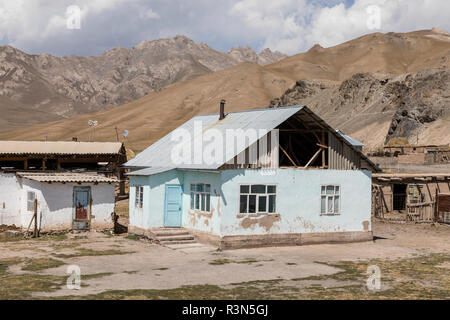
(421, 211)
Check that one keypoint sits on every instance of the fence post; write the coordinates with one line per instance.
(436, 218)
(35, 218)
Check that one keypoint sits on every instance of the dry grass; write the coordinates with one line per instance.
(83, 252)
(416, 278)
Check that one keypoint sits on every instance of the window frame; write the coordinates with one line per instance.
(32, 201)
(266, 194)
(326, 213)
(139, 196)
(199, 193)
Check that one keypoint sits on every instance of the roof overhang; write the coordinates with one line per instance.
(65, 177)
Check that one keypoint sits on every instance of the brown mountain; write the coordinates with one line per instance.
(49, 88)
(362, 87)
(375, 109)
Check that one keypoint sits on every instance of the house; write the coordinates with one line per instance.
(73, 184)
(419, 154)
(276, 176)
(421, 197)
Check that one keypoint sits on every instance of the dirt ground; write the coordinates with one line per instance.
(414, 261)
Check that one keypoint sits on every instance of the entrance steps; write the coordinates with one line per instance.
(172, 236)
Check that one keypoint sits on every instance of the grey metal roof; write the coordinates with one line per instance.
(156, 170)
(64, 177)
(59, 147)
(354, 142)
(158, 155)
(149, 171)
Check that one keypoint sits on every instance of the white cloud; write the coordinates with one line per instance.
(149, 14)
(290, 26)
(296, 25)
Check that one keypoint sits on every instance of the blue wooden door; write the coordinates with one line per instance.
(173, 206)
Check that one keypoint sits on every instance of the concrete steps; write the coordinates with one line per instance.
(173, 236)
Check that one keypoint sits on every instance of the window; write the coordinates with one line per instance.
(139, 196)
(257, 198)
(201, 197)
(330, 200)
(30, 200)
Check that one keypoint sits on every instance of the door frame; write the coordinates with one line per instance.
(165, 205)
(89, 206)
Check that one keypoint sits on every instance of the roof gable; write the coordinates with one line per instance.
(159, 153)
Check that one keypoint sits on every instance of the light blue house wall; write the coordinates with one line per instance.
(298, 201)
(151, 215)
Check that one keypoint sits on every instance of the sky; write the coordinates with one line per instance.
(90, 27)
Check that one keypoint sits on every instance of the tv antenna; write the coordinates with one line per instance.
(92, 124)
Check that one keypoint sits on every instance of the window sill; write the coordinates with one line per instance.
(199, 211)
(330, 214)
(256, 215)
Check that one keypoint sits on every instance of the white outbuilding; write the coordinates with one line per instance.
(78, 201)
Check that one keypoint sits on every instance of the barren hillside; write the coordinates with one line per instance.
(387, 54)
(375, 109)
(147, 119)
(363, 87)
(67, 86)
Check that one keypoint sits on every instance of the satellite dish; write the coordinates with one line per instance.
(125, 133)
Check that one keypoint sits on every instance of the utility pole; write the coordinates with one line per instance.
(117, 133)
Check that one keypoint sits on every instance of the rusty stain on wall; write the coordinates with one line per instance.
(218, 204)
(365, 225)
(307, 225)
(265, 221)
(196, 216)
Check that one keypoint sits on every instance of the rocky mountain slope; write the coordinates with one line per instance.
(376, 109)
(64, 87)
(373, 87)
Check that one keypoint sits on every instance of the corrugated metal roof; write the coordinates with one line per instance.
(159, 154)
(59, 147)
(354, 142)
(154, 170)
(65, 177)
(149, 171)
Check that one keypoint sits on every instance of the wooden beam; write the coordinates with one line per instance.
(314, 119)
(284, 151)
(313, 158)
(300, 130)
(324, 147)
(307, 127)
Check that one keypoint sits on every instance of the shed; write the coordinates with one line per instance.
(65, 201)
(73, 182)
